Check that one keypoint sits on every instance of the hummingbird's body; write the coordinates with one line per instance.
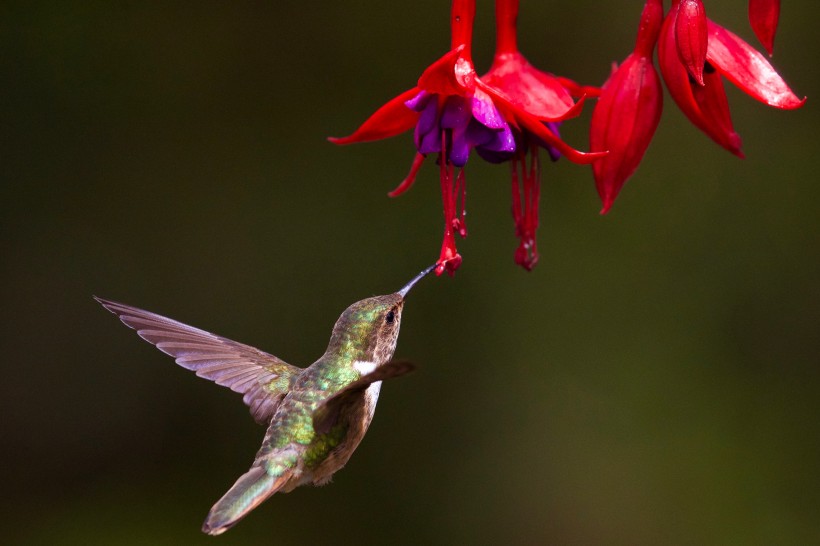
(316, 416)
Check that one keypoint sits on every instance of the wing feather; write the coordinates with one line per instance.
(261, 378)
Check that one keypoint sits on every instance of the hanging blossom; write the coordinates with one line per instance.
(727, 56)
(515, 109)
(628, 111)
(453, 112)
(543, 96)
(694, 55)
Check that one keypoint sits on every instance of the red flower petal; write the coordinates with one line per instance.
(690, 37)
(390, 120)
(763, 16)
(539, 93)
(707, 109)
(742, 65)
(624, 122)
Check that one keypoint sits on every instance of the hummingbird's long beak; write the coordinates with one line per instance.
(403, 292)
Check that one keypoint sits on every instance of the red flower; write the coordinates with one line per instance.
(727, 55)
(453, 111)
(628, 111)
(763, 16)
(527, 92)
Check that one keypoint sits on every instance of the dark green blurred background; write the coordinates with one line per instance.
(656, 379)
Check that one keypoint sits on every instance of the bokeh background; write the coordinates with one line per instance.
(656, 379)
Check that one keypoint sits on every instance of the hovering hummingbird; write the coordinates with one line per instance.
(316, 416)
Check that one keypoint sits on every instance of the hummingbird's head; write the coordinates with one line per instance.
(368, 330)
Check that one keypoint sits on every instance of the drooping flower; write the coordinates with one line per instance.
(453, 111)
(727, 55)
(628, 111)
(764, 16)
(531, 93)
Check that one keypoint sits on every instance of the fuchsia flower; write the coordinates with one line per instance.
(515, 109)
(727, 55)
(453, 111)
(540, 95)
(628, 111)
(695, 55)
(763, 16)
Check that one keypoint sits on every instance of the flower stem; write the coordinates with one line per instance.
(650, 26)
(461, 26)
(506, 16)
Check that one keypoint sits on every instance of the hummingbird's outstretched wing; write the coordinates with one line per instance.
(262, 378)
(327, 414)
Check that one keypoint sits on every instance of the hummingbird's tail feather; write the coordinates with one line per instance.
(249, 491)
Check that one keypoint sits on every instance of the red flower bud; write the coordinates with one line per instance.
(706, 106)
(727, 56)
(628, 111)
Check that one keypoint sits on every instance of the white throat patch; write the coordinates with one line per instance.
(364, 367)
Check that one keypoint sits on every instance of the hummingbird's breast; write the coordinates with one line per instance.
(357, 421)
(292, 444)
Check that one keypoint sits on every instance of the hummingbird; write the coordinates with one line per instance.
(315, 416)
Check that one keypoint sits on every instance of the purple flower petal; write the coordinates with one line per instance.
(430, 143)
(456, 112)
(427, 122)
(500, 147)
(553, 126)
(555, 155)
(493, 157)
(485, 112)
(478, 134)
(459, 147)
(419, 102)
(502, 141)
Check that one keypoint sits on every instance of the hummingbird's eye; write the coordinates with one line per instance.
(391, 316)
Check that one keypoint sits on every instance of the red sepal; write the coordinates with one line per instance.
(691, 37)
(408, 181)
(708, 108)
(521, 119)
(539, 93)
(450, 75)
(390, 120)
(745, 67)
(577, 90)
(764, 16)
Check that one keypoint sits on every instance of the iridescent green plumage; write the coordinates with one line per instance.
(316, 416)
